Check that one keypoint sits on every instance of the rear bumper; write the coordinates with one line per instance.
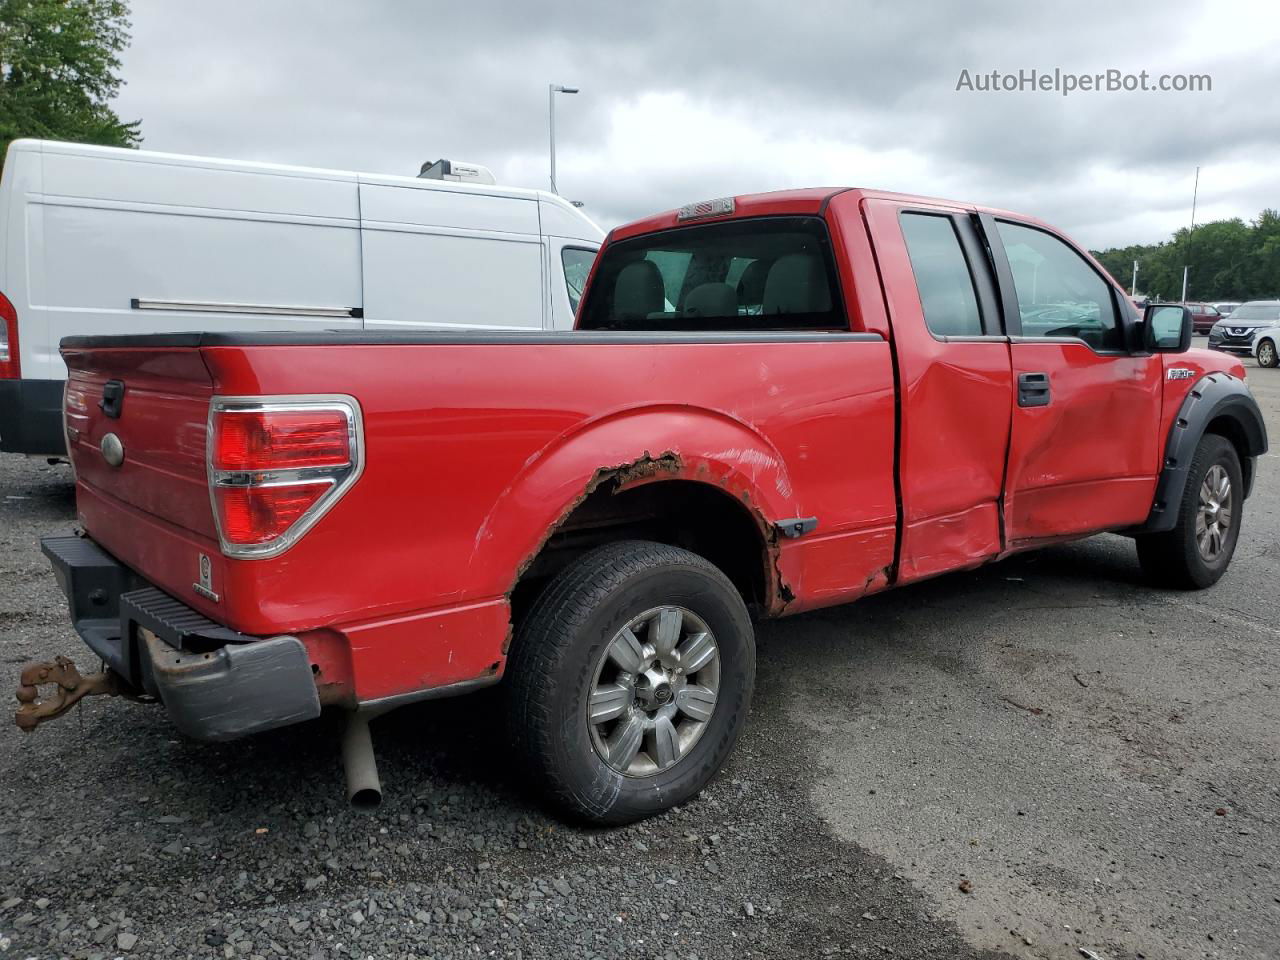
(31, 417)
(216, 684)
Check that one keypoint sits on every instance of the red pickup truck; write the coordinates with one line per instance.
(771, 404)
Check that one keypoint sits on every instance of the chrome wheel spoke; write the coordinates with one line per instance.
(666, 631)
(1224, 517)
(666, 743)
(624, 743)
(696, 702)
(627, 651)
(608, 702)
(697, 652)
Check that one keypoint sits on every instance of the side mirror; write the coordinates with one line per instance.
(1166, 328)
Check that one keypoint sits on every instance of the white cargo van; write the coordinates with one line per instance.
(97, 240)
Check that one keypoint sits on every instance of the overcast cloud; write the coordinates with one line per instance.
(683, 101)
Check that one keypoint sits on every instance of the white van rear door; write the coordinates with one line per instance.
(441, 258)
(125, 245)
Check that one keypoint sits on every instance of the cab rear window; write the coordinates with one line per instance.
(766, 273)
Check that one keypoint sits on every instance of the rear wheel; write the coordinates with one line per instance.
(1267, 354)
(1197, 551)
(629, 681)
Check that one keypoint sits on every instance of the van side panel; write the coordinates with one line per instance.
(104, 232)
(443, 260)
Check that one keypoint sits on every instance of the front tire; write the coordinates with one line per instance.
(1267, 356)
(1196, 552)
(629, 682)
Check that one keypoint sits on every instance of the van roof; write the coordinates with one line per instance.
(315, 173)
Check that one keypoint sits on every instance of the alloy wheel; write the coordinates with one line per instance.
(654, 692)
(1267, 354)
(1213, 518)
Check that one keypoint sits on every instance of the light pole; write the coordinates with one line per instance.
(552, 90)
(1190, 236)
(1133, 287)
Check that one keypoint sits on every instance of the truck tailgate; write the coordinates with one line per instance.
(136, 421)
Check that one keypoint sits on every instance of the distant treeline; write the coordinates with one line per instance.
(1229, 259)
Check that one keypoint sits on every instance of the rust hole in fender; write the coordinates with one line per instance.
(698, 514)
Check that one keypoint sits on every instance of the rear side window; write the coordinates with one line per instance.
(942, 276)
(766, 273)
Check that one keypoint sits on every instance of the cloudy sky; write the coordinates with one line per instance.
(682, 101)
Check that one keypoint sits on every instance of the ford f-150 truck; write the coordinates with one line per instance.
(770, 404)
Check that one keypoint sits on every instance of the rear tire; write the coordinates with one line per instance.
(629, 682)
(1196, 552)
(1267, 356)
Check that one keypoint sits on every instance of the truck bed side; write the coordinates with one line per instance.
(479, 451)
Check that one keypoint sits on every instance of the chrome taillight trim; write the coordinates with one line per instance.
(340, 477)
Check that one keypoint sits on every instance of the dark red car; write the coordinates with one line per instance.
(770, 404)
(1203, 316)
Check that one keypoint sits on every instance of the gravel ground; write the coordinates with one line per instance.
(125, 840)
(1048, 732)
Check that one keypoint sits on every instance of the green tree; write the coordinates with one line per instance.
(58, 64)
(1229, 260)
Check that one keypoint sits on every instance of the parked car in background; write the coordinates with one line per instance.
(1266, 345)
(770, 404)
(97, 240)
(1237, 333)
(1225, 307)
(1203, 316)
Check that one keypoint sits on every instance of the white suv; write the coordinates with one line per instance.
(1266, 345)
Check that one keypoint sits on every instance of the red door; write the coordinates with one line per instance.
(1085, 447)
(955, 385)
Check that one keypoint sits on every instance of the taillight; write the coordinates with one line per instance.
(276, 465)
(280, 439)
(10, 368)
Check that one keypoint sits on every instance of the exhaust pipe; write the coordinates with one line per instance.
(364, 789)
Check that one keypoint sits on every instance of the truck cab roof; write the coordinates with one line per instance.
(809, 200)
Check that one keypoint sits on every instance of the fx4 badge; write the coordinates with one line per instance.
(1180, 373)
(205, 585)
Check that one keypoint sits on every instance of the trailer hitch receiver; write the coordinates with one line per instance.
(69, 688)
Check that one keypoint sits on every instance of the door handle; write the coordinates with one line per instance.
(112, 398)
(1033, 389)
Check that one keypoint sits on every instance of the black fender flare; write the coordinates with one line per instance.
(1214, 397)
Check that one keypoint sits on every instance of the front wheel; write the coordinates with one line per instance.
(629, 681)
(1196, 552)
(1267, 354)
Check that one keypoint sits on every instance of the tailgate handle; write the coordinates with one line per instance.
(112, 398)
(1033, 389)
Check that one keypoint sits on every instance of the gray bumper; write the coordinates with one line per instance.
(216, 684)
(1240, 349)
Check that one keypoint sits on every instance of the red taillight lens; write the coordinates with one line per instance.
(10, 368)
(276, 465)
(286, 440)
(261, 515)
